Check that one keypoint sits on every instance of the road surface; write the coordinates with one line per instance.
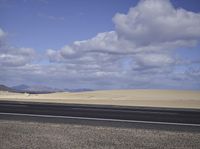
(37, 125)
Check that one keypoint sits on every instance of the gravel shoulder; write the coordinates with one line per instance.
(45, 135)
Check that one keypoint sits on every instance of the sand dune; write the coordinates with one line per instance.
(153, 98)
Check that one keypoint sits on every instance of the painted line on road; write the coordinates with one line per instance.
(100, 119)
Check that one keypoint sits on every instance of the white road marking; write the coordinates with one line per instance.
(100, 119)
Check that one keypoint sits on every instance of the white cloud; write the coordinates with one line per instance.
(2, 33)
(157, 21)
(154, 60)
(11, 56)
(152, 26)
(139, 53)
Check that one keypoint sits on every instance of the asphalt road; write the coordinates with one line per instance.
(168, 115)
(46, 126)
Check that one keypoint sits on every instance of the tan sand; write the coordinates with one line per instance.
(150, 98)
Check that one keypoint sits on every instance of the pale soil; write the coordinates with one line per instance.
(153, 98)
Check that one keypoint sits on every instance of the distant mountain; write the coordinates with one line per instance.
(6, 88)
(78, 90)
(20, 87)
(35, 89)
(38, 89)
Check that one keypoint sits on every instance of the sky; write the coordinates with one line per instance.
(100, 44)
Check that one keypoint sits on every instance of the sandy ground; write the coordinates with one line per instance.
(152, 98)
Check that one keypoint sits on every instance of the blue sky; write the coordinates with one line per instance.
(57, 23)
(100, 44)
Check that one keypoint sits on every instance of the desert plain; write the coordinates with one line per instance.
(137, 97)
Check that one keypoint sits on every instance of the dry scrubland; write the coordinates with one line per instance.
(153, 98)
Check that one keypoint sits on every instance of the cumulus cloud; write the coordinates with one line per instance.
(139, 53)
(16, 56)
(156, 21)
(147, 33)
(154, 60)
(11, 56)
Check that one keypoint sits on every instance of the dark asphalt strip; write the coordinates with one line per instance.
(170, 115)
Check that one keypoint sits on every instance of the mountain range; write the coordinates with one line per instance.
(38, 89)
(6, 88)
(35, 89)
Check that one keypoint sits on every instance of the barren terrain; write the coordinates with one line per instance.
(152, 98)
